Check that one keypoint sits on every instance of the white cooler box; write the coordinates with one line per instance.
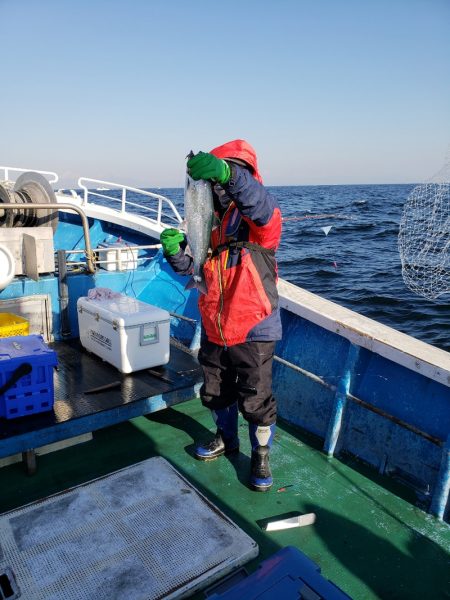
(118, 256)
(129, 334)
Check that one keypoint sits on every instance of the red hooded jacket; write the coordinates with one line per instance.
(241, 273)
(241, 150)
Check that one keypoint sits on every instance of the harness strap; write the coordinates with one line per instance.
(248, 245)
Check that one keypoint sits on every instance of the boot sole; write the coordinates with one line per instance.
(209, 458)
(261, 488)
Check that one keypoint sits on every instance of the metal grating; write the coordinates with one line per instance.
(141, 533)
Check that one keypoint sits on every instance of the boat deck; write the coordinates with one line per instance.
(369, 539)
(91, 394)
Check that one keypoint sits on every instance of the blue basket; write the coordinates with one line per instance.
(26, 376)
(286, 575)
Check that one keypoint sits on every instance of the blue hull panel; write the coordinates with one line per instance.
(394, 419)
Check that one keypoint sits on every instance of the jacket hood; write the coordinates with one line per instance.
(240, 150)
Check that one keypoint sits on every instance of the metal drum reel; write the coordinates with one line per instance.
(29, 188)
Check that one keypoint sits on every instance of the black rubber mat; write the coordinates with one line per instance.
(86, 385)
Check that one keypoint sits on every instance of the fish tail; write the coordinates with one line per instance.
(196, 283)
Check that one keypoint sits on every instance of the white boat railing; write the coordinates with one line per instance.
(118, 259)
(96, 188)
(7, 170)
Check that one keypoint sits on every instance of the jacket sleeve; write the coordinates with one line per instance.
(180, 262)
(250, 196)
(255, 203)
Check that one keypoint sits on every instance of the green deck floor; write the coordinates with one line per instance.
(368, 538)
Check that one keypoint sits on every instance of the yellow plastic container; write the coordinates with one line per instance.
(13, 325)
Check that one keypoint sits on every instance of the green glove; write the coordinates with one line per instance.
(206, 166)
(170, 240)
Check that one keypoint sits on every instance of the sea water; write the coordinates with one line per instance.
(356, 263)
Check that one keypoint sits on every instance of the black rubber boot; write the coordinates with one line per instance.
(217, 446)
(260, 473)
(261, 438)
(226, 439)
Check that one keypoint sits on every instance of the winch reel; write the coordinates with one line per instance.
(30, 188)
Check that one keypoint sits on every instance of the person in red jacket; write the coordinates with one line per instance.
(240, 313)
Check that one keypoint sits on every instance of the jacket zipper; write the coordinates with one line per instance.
(219, 272)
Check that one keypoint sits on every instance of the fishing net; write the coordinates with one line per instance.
(424, 237)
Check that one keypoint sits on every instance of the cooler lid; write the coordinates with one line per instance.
(23, 345)
(127, 311)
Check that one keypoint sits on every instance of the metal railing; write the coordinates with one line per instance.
(120, 257)
(171, 214)
(89, 192)
(7, 170)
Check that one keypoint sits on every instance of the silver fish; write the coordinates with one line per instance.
(199, 216)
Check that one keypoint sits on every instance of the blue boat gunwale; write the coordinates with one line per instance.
(413, 386)
(362, 331)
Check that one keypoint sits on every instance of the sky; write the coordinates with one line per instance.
(326, 91)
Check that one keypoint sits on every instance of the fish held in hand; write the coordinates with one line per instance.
(199, 215)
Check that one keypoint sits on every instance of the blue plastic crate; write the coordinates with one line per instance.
(286, 575)
(26, 376)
